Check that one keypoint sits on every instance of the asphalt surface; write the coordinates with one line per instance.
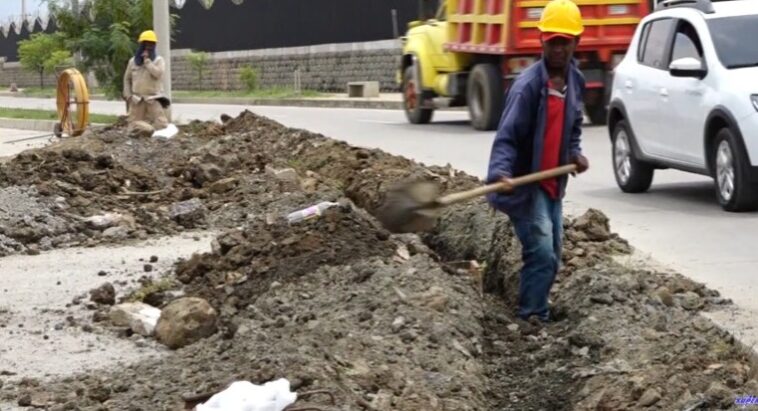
(678, 223)
(13, 142)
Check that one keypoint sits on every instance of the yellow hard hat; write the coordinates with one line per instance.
(148, 35)
(561, 17)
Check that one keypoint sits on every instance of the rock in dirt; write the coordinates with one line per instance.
(202, 174)
(690, 301)
(188, 214)
(602, 298)
(105, 294)
(650, 397)
(139, 317)
(223, 185)
(185, 321)
(594, 224)
(717, 392)
(665, 295)
(116, 233)
(287, 175)
(103, 221)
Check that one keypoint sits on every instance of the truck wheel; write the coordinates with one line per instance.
(485, 96)
(731, 172)
(412, 101)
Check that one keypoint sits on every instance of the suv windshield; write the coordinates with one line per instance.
(729, 35)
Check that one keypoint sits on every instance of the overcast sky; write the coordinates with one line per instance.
(13, 8)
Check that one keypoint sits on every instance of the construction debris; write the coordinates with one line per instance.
(380, 321)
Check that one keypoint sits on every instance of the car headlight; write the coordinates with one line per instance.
(754, 100)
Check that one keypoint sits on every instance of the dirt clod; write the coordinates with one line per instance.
(105, 294)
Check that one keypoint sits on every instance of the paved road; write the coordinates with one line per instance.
(678, 223)
(13, 142)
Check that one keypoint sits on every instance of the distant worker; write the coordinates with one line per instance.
(143, 86)
(540, 129)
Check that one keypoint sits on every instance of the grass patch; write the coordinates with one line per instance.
(30, 114)
(270, 93)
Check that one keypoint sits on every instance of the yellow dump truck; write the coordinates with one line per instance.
(471, 50)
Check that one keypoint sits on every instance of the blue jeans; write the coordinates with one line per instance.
(541, 237)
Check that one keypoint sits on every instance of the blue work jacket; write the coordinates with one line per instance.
(517, 149)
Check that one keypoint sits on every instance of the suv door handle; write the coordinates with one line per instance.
(664, 92)
(628, 85)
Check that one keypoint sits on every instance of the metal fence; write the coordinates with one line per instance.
(261, 24)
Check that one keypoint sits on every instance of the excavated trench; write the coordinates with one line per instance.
(384, 322)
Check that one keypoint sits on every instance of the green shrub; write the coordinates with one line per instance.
(249, 77)
(199, 62)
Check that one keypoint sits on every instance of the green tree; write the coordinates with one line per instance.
(105, 34)
(198, 61)
(42, 53)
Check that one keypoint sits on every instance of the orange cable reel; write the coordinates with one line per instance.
(72, 92)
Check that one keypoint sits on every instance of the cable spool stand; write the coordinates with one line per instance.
(72, 101)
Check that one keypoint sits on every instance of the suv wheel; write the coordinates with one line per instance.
(632, 175)
(731, 172)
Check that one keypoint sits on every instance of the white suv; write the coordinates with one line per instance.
(686, 97)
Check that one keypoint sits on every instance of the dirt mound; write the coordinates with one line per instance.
(383, 322)
(246, 262)
(378, 334)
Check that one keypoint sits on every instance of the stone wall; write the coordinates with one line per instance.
(326, 68)
(323, 68)
(13, 73)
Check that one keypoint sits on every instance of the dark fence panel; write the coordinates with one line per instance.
(257, 24)
(9, 45)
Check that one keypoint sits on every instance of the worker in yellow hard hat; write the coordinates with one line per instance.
(143, 86)
(540, 129)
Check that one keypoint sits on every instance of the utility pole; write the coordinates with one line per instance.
(161, 27)
(23, 10)
(75, 11)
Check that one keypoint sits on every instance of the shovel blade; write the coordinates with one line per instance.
(410, 208)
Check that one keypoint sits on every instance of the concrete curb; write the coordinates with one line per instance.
(283, 102)
(31, 125)
(289, 102)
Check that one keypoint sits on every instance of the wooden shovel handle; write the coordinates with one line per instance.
(496, 187)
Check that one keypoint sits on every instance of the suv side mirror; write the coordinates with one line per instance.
(688, 67)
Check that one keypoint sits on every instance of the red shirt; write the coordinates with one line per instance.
(551, 147)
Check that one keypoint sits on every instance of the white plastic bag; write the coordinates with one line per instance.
(167, 132)
(245, 396)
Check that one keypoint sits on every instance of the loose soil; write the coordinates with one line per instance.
(381, 321)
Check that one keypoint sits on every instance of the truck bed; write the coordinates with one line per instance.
(510, 26)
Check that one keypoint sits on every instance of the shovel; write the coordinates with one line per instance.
(414, 207)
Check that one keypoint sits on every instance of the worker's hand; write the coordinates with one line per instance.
(507, 183)
(146, 55)
(581, 162)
